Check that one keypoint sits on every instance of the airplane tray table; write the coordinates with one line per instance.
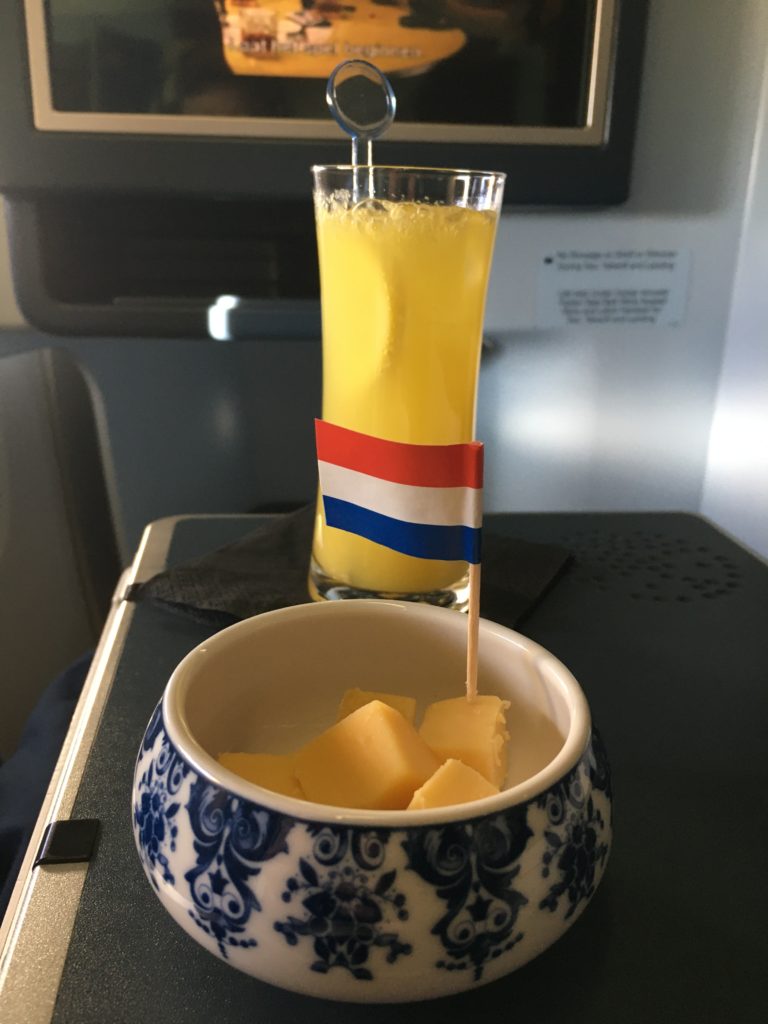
(664, 622)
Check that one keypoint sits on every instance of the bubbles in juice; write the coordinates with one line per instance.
(403, 292)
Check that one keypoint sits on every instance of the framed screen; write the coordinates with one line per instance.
(155, 154)
(471, 71)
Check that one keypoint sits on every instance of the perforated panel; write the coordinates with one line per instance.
(651, 565)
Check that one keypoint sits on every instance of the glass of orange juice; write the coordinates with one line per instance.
(405, 256)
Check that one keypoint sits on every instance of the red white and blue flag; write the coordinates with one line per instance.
(420, 499)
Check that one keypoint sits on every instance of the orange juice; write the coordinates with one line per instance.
(403, 292)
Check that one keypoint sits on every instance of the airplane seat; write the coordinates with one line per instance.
(58, 552)
(59, 565)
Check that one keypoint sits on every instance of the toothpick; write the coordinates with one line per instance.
(473, 629)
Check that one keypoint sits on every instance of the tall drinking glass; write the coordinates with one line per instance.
(405, 255)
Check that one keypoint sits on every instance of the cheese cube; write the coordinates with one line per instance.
(472, 731)
(272, 771)
(373, 758)
(452, 783)
(354, 699)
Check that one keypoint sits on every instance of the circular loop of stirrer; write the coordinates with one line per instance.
(361, 100)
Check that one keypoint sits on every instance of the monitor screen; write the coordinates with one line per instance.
(463, 70)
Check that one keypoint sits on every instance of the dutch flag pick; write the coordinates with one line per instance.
(420, 499)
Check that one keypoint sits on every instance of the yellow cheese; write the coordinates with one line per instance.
(472, 731)
(354, 699)
(453, 783)
(373, 758)
(272, 771)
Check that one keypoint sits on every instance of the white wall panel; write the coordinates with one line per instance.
(736, 480)
(618, 417)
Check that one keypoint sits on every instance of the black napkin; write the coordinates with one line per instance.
(268, 568)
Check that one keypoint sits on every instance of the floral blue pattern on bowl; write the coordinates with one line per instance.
(344, 907)
(368, 911)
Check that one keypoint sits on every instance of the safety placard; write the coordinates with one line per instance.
(647, 287)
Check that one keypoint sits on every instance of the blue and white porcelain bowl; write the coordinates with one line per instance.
(382, 906)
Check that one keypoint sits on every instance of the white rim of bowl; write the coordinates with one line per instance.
(206, 765)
